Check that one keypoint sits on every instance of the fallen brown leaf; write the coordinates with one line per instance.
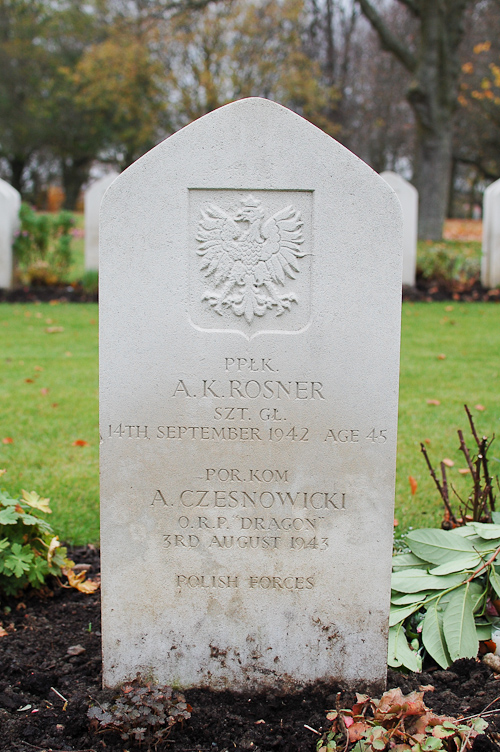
(463, 470)
(7, 440)
(433, 402)
(80, 443)
(29, 381)
(441, 356)
(479, 407)
(448, 462)
(44, 390)
(413, 484)
(54, 329)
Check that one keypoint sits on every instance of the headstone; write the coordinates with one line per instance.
(91, 205)
(408, 197)
(10, 203)
(490, 259)
(250, 317)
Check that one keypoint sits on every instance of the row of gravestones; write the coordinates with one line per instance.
(408, 196)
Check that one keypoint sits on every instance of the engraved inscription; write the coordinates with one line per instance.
(248, 257)
(264, 582)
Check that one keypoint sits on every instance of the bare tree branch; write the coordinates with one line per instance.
(413, 6)
(388, 40)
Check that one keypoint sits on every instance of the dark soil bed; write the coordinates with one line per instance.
(34, 661)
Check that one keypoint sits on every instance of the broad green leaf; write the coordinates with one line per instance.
(4, 543)
(483, 631)
(415, 580)
(464, 530)
(433, 636)
(20, 559)
(495, 580)
(478, 594)
(6, 501)
(8, 516)
(479, 724)
(458, 625)
(465, 561)
(400, 653)
(405, 561)
(487, 531)
(495, 516)
(399, 613)
(437, 546)
(404, 600)
(34, 500)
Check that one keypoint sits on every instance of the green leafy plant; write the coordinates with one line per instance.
(90, 281)
(143, 712)
(29, 550)
(42, 247)
(449, 264)
(442, 593)
(396, 722)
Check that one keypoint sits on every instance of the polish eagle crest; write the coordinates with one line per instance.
(248, 259)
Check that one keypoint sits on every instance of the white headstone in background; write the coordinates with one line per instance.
(250, 296)
(91, 205)
(490, 259)
(10, 203)
(408, 197)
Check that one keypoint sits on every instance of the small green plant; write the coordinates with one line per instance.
(90, 281)
(42, 247)
(448, 264)
(143, 712)
(29, 550)
(396, 722)
(442, 594)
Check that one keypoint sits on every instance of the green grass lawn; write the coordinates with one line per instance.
(44, 424)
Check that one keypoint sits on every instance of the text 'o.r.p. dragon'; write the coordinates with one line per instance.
(247, 257)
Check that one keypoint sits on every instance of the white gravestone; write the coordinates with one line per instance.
(408, 197)
(91, 204)
(249, 387)
(490, 259)
(10, 203)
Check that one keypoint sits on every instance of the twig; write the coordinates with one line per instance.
(438, 484)
(311, 729)
(343, 727)
(59, 695)
(472, 426)
(484, 565)
(489, 705)
(465, 450)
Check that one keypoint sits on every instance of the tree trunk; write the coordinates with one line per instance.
(74, 174)
(435, 67)
(17, 165)
(432, 180)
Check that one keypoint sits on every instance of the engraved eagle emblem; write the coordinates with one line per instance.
(248, 258)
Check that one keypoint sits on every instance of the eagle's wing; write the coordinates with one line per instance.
(282, 245)
(217, 236)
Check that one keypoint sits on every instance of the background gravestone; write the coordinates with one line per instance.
(250, 294)
(490, 258)
(408, 197)
(91, 205)
(10, 203)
